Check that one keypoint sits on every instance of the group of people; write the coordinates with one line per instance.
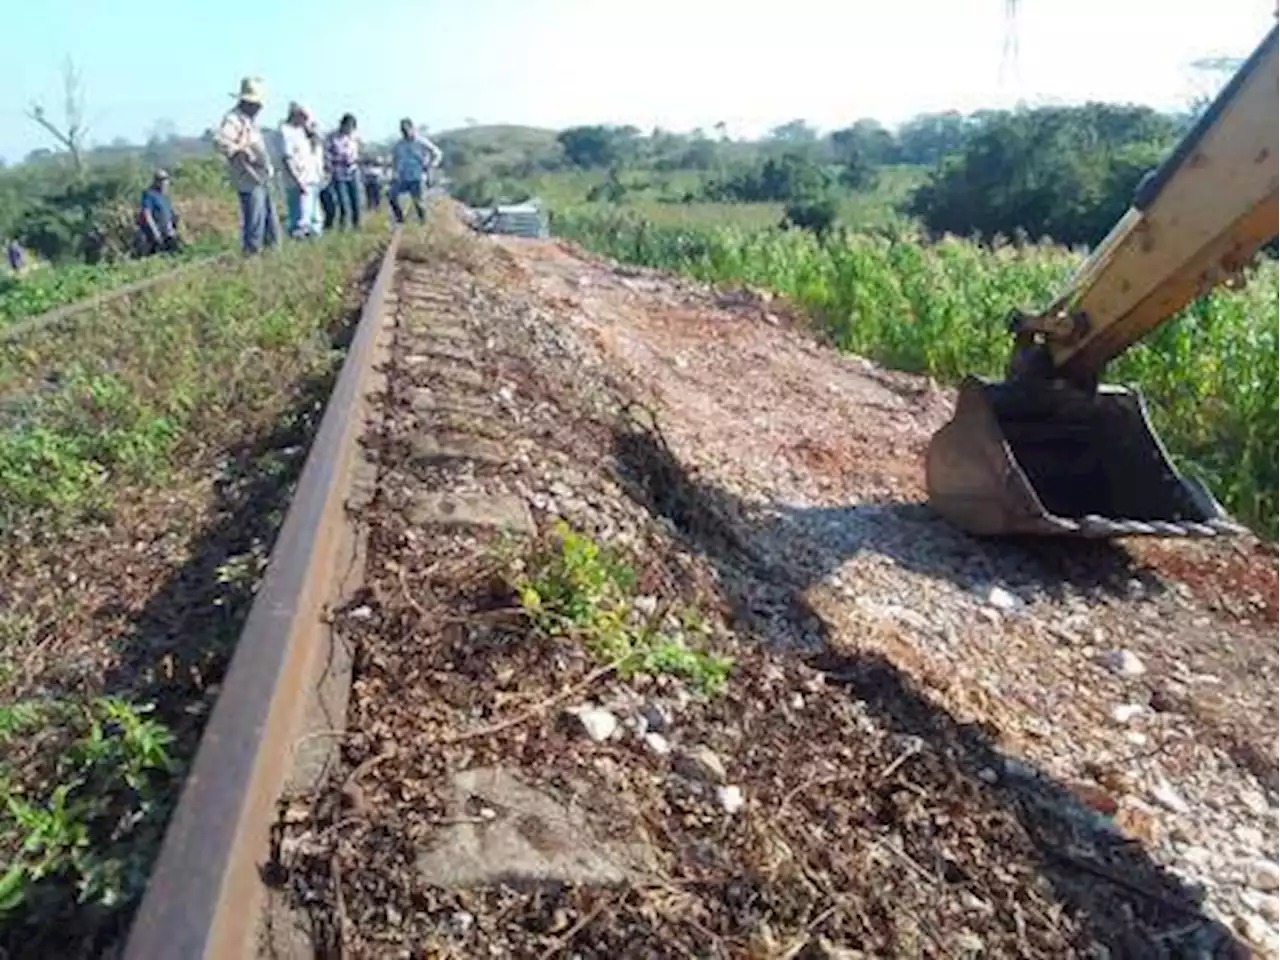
(321, 174)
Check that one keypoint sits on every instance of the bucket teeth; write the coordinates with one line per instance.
(1200, 529)
(1047, 459)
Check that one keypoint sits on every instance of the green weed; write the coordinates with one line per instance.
(576, 588)
(143, 387)
(69, 828)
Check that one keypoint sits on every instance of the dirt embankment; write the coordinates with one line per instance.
(928, 745)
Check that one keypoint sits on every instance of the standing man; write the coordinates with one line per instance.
(371, 174)
(411, 158)
(342, 153)
(240, 140)
(157, 220)
(315, 172)
(302, 176)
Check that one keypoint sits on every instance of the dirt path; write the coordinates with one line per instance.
(927, 745)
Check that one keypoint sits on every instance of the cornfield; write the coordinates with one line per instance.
(1209, 375)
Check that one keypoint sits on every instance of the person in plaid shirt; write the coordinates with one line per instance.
(342, 158)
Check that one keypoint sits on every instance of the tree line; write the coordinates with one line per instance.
(1065, 173)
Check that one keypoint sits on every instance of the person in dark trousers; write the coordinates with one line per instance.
(342, 154)
(240, 140)
(371, 173)
(157, 220)
(412, 158)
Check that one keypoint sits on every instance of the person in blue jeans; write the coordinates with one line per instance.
(411, 158)
(342, 156)
(240, 140)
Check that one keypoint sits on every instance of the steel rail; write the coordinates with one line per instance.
(205, 897)
(22, 328)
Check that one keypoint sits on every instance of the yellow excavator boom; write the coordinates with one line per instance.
(1048, 450)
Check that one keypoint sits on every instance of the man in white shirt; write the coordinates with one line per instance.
(240, 140)
(303, 172)
(411, 158)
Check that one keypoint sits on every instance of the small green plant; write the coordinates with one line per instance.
(576, 588)
(71, 829)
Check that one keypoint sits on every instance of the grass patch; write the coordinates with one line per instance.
(118, 399)
(48, 287)
(578, 589)
(1209, 374)
(147, 455)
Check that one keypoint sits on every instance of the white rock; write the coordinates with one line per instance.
(1123, 662)
(1164, 794)
(1250, 837)
(1252, 927)
(360, 613)
(1196, 856)
(1255, 802)
(1135, 738)
(646, 605)
(461, 921)
(730, 798)
(1126, 712)
(599, 725)
(657, 744)
(974, 903)
(1002, 599)
(1263, 875)
(797, 702)
(1265, 905)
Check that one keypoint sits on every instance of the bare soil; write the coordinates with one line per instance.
(928, 768)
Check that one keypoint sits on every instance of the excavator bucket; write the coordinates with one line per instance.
(1043, 458)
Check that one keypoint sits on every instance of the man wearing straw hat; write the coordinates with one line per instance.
(240, 140)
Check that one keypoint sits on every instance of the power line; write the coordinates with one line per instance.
(1009, 76)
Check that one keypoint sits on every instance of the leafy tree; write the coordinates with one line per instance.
(816, 213)
(791, 176)
(598, 146)
(1061, 172)
(866, 138)
(793, 132)
(858, 172)
(928, 138)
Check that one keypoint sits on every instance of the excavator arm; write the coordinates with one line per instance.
(1050, 452)
(1196, 221)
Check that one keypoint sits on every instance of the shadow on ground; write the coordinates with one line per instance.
(1123, 900)
(178, 647)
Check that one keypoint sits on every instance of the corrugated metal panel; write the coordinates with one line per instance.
(521, 220)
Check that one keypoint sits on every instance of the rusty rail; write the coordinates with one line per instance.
(205, 896)
(22, 328)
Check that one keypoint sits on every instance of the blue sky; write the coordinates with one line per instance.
(673, 63)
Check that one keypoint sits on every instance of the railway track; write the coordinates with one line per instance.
(415, 754)
(69, 311)
(205, 896)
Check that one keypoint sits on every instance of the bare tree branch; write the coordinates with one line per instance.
(71, 134)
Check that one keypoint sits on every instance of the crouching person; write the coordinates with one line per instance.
(157, 220)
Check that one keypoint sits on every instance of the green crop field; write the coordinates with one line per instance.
(1209, 376)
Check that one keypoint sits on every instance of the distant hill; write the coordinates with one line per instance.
(501, 149)
(507, 136)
